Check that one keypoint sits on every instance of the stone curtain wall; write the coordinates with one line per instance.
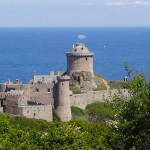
(40, 94)
(82, 100)
(39, 112)
(12, 104)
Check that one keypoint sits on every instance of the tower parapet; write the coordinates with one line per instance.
(63, 99)
(79, 59)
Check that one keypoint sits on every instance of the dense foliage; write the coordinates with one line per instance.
(100, 112)
(29, 134)
(95, 112)
(131, 129)
(128, 118)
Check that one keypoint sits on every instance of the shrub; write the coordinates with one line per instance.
(100, 111)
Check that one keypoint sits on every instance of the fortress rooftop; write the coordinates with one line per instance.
(79, 49)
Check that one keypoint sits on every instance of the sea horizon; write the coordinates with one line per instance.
(38, 48)
(74, 26)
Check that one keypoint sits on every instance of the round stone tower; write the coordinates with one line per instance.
(79, 59)
(63, 99)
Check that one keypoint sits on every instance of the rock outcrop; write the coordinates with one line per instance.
(84, 82)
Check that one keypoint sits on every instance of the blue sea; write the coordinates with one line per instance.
(23, 50)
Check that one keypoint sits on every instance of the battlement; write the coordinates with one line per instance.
(14, 93)
(79, 49)
(46, 79)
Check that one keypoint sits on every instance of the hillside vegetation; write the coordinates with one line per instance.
(20, 133)
(96, 112)
(121, 125)
(102, 84)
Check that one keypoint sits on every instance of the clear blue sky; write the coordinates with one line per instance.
(60, 13)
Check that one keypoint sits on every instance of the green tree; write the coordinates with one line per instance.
(131, 130)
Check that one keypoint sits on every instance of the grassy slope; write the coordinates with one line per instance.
(97, 112)
(105, 84)
(101, 83)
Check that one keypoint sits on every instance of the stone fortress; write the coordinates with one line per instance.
(43, 93)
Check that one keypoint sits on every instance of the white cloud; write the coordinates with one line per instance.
(142, 3)
(137, 2)
(87, 4)
(116, 4)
